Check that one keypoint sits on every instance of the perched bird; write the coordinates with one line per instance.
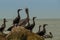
(23, 22)
(3, 26)
(30, 27)
(41, 33)
(17, 19)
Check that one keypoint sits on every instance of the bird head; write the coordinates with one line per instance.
(5, 20)
(44, 25)
(34, 18)
(19, 10)
(50, 33)
(26, 10)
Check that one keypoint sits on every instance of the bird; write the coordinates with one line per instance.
(41, 33)
(17, 19)
(31, 26)
(50, 35)
(3, 26)
(23, 22)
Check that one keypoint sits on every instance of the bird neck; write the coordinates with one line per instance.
(27, 12)
(39, 29)
(33, 21)
(44, 29)
(27, 15)
(4, 23)
(18, 15)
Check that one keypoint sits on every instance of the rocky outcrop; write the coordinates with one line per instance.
(2, 36)
(20, 33)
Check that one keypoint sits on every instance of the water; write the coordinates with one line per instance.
(53, 26)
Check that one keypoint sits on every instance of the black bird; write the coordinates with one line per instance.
(3, 26)
(41, 33)
(16, 20)
(30, 27)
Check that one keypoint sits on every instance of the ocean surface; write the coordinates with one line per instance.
(53, 26)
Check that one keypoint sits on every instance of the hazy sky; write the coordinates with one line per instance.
(39, 8)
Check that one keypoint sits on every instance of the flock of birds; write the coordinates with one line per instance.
(22, 22)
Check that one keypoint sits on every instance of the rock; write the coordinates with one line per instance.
(2, 36)
(20, 33)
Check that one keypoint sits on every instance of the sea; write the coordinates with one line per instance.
(53, 26)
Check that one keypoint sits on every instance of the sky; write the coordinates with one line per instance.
(38, 8)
